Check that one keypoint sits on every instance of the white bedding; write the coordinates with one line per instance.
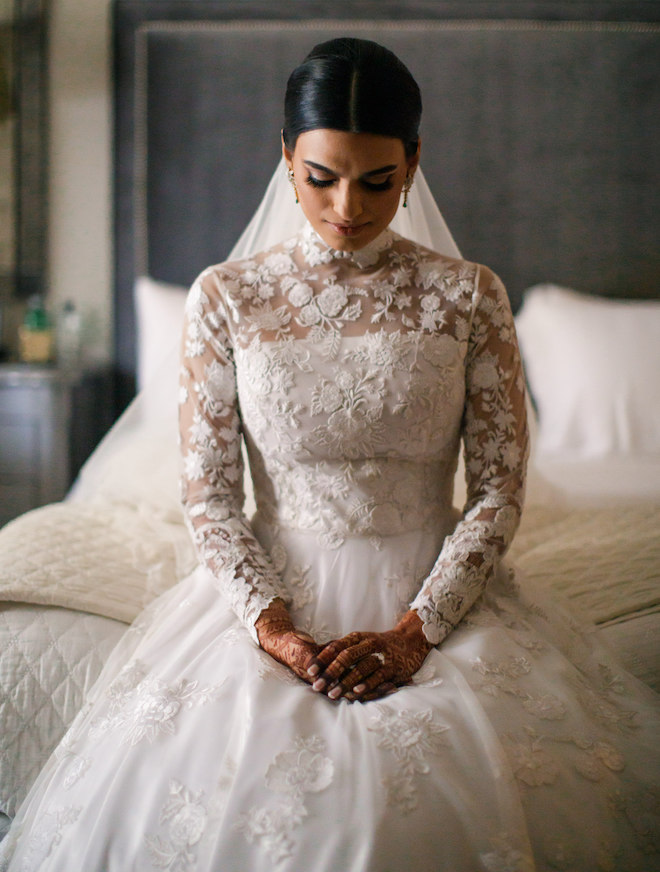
(605, 561)
(104, 558)
(636, 642)
(49, 658)
(612, 481)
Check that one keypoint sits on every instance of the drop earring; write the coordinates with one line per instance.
(407, 185)
(291, 177)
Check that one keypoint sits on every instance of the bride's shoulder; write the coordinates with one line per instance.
(430, 262)
(252, 280)
(483, 275)
(427, 254)
(226, 274)
(467, 283)
(273, 259)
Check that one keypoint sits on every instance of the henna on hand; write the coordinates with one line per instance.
(364, 666)
(279, 638)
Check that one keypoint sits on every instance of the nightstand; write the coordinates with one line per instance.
(50, 421)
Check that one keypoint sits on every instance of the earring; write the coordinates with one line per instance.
(407, 185)
(291, 177)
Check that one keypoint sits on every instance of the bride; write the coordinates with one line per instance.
(353, 680)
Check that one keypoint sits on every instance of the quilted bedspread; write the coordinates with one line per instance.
(606, 561)
(49, 658)
(103, 558)
(72, 576)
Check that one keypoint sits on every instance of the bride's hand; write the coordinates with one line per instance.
(365, 666)
(279, 638)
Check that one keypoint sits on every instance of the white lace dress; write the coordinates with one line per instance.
(517, 746)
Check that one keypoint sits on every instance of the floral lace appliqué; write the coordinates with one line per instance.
(76, 769)
(184, 818)
(410, 736)
(52, 827)
(504, 857)
(142, 706)
(305, 769)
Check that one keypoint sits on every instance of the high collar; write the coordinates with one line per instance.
(317, 251)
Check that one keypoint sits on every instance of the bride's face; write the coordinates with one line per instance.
(349, 184)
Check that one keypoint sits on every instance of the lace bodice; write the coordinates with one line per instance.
(353, 378)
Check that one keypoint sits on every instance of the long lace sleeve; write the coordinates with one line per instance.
(496, 448)
(212, 477)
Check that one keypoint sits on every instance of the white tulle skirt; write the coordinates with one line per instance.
(518, 746)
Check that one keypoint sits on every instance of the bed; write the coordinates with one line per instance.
(557, 191)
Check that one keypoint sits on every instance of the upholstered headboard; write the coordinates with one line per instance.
(540, 132)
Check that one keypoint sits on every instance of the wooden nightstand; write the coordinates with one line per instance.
(50, 421)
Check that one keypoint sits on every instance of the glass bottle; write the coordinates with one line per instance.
(35, 334)
(69, 337)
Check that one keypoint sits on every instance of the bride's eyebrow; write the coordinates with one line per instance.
(389, 168)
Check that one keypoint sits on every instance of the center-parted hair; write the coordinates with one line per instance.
(354, 85)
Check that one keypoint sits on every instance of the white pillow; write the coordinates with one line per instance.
(159, 308)
(593, 367)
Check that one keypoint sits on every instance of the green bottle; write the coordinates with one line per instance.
(35, 335)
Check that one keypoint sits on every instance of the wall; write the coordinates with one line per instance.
(80, 202)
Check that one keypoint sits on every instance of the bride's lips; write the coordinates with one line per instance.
(347, 229)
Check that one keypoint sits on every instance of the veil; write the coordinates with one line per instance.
(137, 462)
(279, 217)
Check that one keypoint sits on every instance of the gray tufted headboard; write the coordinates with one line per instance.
(540, 132)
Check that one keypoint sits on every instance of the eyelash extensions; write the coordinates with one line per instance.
(370, 186)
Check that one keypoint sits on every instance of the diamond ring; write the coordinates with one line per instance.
(379, 656)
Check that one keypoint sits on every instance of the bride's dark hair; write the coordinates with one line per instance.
(354, 85)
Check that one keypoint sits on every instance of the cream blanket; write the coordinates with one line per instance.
(606, 561)
(104, 558)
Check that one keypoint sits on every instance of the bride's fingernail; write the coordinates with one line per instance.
(359, 688)
(335, 693)
(319, 684)
(313, 670)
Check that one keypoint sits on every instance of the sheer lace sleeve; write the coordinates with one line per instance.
(496, 447)
(212, 478)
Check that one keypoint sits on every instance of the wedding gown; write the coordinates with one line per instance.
(517, 746)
